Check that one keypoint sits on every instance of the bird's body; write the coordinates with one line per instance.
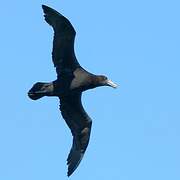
(71, 81)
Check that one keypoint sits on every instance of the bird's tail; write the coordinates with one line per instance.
(40, 89)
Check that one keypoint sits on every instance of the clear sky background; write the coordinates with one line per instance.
(136, 128)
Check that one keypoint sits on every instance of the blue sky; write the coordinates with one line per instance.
(136, 128)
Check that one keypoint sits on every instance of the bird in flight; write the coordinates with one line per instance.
(71, 81)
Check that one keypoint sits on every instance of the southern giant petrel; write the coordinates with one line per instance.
(71, 81)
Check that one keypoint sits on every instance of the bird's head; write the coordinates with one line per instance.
(104, 81)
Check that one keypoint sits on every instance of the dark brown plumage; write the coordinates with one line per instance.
(71, 81)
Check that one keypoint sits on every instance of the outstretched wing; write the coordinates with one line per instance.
(63, 44)
(80, 124)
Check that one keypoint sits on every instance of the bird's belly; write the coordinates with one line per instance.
(61, 87)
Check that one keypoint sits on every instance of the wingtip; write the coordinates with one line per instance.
(44, 7)
(74, 162)
(70, 170)
(69, 174)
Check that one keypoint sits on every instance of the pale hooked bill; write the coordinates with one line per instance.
(111, 83)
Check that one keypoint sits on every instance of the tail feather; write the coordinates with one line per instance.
(39, 90)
